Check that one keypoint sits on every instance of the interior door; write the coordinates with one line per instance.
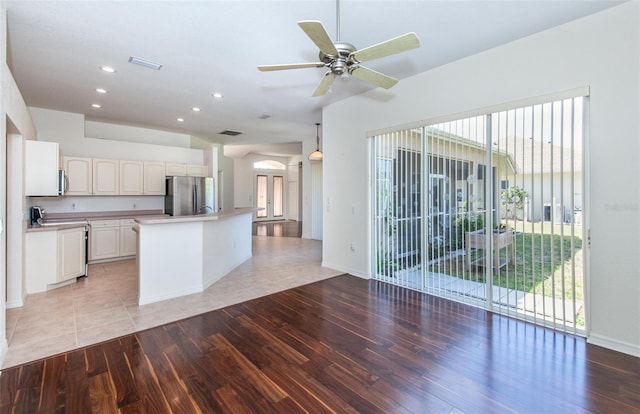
(270, 196)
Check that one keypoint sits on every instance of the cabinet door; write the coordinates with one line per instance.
(194, 170)
(131, 180)
(106, 176)
(70, 254)
(41, 168)
(176, 169)
(41, 260)
(105, 241)
(78, 174)
(127, 238)
(154, 181)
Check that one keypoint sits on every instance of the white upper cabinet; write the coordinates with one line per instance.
(41, 168)
(79, 173)
(176, 169)
(194, 170)
(131, 177)
(154, 181)
(106, 176)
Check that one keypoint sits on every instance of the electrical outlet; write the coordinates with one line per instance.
(134, 205)
(73, 206)
(353, 247)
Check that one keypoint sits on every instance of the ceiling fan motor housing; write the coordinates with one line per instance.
(339, 64)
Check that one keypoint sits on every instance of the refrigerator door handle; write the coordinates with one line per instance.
(195, 200)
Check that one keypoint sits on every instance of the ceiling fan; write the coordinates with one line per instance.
(344, 59)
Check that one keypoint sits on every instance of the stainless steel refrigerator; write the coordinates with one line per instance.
(188, 196)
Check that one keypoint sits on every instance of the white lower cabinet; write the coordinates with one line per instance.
(70, 254)
(112, 239)
(104, 241)
(127, 238)
(53, 256)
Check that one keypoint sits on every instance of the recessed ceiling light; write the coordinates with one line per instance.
(180, 119)
(218, 95)
(97, 106)
(195, 109)
(107, 69)
(100, 90)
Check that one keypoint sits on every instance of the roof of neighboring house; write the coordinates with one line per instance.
(533, 156)
(435, 133)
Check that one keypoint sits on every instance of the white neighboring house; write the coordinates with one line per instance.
(551, 175)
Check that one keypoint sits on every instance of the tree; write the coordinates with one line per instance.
(513, 200)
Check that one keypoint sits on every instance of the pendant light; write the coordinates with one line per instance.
(317, 154)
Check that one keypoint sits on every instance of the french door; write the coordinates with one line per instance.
(269, 195)
(501, 195)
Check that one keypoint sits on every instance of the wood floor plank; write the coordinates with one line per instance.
(52, 395)
(76, 383)
(102, 394)
(342, 345)
(270, 390)
(120, 373)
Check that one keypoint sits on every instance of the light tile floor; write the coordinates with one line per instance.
(104, 305)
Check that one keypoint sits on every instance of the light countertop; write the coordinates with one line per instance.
(200, 217)
(93, 215)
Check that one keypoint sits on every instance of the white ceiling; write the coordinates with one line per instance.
(56, 47)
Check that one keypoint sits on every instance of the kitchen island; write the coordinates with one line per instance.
(178, 256)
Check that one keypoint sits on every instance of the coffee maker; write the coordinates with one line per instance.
(37, 215)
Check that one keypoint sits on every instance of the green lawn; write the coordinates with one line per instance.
(546, 262)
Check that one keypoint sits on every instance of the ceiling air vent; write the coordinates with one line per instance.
(145, 63)
(230, 132)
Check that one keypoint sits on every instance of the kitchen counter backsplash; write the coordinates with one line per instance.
(97, 215)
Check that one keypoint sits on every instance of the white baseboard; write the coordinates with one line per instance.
(4, 348)
(14, 304)
(352, 272)
(210, 281)
(151, 299)
(620, 346)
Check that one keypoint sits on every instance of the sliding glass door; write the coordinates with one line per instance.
(486, 210)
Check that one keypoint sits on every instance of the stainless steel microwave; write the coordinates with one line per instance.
(63, 183)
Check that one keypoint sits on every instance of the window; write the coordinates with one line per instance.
(269, 165)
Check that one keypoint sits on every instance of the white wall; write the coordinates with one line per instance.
(244, 179)
(14, 120)
(308, 146)
(117, 132)
(226, 165)
(68, 129)
(600, 51)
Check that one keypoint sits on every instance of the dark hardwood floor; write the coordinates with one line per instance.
(342, 345)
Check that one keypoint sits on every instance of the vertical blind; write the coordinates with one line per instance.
(486, 210)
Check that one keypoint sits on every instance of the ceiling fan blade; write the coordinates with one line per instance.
(390, 47)
(325, 84)
(374, 77)
(268, 68)
(316, 32)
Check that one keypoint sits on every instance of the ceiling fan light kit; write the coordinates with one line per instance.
(343, 59)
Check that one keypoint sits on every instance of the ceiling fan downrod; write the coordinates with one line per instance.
(337, 21)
